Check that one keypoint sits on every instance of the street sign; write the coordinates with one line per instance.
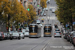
(73, 22)
(67, 25)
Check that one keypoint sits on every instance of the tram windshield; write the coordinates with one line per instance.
(47, 29)
(33, 29)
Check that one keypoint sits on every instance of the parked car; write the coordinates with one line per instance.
(53, 10)
(37, 21)
(1, 36)
(14, 35)
(46, 9)
(65, 35)
(40, 25)
(21, 35)
(73, 38)
(23, 30)
(44, 14)
(50, 9)
(68, 36)
(5, 35)
(48, 1)
(27, 31)
(8, 35)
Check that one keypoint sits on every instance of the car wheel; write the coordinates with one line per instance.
(74, 44)
(70, 41)
(67, 39)
(19, 38)
(23, 38)
(10, 38)
(54, 36)
(60, 36)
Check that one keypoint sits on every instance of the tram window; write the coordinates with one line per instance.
(47, 30)
(33, 29)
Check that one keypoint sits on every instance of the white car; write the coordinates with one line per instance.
(46, 9)
(23, 30)
(38, 22)
(14, 35)
(53, 10)
(44, 14)
(40, 25)
(21, 35)
(57, 34)
(27, 31)
(50, 9)
(48, 1)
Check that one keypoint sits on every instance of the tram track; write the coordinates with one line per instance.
(40, 44)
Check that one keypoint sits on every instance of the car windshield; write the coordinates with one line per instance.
(74, 33)
(15, 33)
(57, 32)
(27, 28)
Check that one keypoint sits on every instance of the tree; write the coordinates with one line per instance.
(14, 9)
(43, 3)
(32, 13)
(19, 13)
(65, 11)
(5, 7)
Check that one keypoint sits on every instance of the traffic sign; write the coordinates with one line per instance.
(67, 25)
(73, 22)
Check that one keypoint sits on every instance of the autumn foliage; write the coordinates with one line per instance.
(16, 11)
(43, 3)
(66, 11)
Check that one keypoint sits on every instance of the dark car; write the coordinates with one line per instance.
(1, 36)
(66, 34)
(72, 38)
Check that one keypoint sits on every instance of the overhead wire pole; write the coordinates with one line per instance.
(49, 16)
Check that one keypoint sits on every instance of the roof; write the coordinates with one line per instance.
(47, 24)
(33, 24)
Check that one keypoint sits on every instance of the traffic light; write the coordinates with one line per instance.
(28, 9)
(38, 5)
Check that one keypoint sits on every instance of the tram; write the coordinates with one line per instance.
(34, 31)
(47, 30)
